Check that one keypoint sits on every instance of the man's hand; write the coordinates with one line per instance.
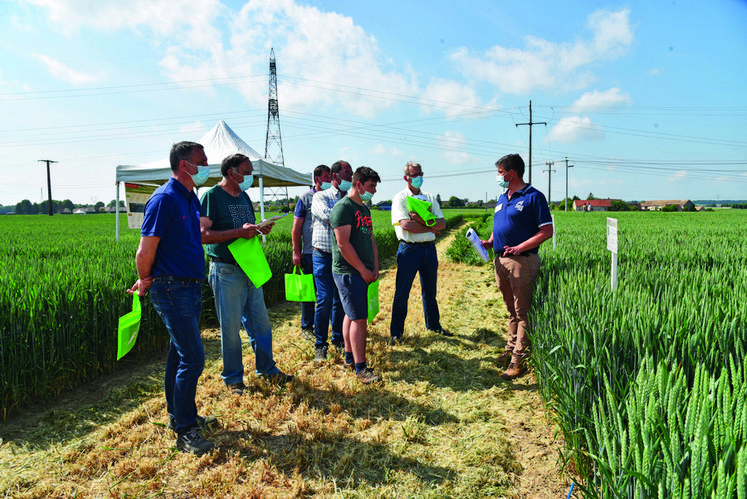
(486, 244)
(297, 259)
(417, 218)
(368, 276)
(141, 286)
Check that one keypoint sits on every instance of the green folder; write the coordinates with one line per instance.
(251, 258)
(129, 325)
(422, 208)
(373, 300)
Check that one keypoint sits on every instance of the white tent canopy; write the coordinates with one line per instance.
(219, 142)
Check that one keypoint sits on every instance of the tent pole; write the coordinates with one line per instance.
(262, 198)
(117, 209)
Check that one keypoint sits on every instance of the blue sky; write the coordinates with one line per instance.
(645, 99)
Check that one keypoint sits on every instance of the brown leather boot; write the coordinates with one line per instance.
(514, 371)
(505, 358)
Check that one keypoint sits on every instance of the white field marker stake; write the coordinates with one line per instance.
(612, 246)
(554, 243)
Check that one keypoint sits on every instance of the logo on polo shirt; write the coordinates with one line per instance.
(520, 205)
(499, 208)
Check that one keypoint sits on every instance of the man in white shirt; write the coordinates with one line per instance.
(416, 253)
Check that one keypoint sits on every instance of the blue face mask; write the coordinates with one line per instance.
(416, 182)
(345, 185)
(203, 173)
(325, 185)
(366, 196)
(247, 183)
(502, 182)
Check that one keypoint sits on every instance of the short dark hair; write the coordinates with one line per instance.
(182, 151)
(337, 166)
(512, 162)
(319, 171)
(232, 161)
(364, 174)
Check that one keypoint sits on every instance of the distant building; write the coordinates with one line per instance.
(592, 205)
(681, 204)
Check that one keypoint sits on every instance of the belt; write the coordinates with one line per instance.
(217, 259)
(322, 251)
(525, 253)
(183, 280)
(424, 243)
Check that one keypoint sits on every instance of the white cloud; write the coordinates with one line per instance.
(381, 149)
(573, 129)
(161, 16)
(542, 64)
(63, 72)
(680, 175)
(594, 101)
(450, 97)
(453, 145)
(333, 59)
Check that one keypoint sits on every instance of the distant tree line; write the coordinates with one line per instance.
(26, 207)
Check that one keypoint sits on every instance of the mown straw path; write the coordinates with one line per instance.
(442, 424)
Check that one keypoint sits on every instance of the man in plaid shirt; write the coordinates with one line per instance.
(323, 239)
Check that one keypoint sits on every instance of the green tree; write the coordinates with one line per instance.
(455, 201)
(26, 208)
(68, 205)
(113, 203)
(618, 205)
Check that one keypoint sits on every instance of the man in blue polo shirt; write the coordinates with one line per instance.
(171, 263)
(521, 223)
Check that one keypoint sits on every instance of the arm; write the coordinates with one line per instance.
(376, 257)
(296, 240)
(319, 208)
(342, 234)
(247, 231)
(144, 258)
(545, 233)
(417, 225)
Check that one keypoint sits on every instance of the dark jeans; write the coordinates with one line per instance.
(327, 301)
(179, 303)
(307, 307)
(412, 259)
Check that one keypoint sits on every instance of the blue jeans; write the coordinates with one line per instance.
(411, 259)
(237, 302)
(179, 303)
(307, 307)
(327, 301)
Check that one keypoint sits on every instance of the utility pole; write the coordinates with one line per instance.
(531, 123)
(49, 184)
(549, 171)
(566, 182)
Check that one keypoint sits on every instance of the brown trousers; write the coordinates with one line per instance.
(516, 276)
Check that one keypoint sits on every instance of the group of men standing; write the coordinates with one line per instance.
(335, 226)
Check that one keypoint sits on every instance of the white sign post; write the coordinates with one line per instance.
(612, 246)
(554, 243)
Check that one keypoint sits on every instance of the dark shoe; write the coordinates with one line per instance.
(237, 389)
(396, 339)
(367, 376)
(192, 441)
(514, 371)
(505, 357)
(442, 332)
(280, 378)
(320, 354)
(308, 334)
(339, 346)
(205, 423)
